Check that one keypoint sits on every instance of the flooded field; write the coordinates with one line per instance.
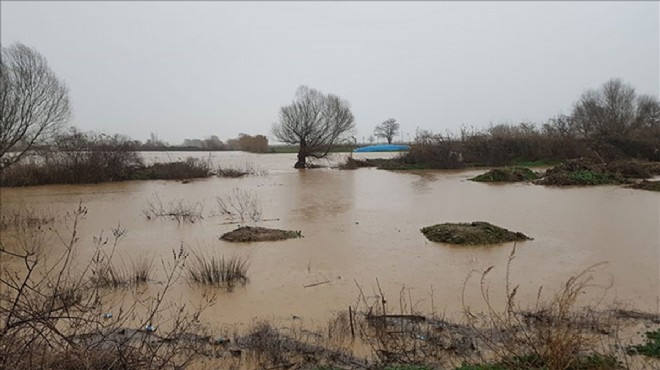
(363, 226)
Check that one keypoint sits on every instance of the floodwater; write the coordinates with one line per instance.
(361, 231)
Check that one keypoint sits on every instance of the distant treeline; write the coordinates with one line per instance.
(244, 142)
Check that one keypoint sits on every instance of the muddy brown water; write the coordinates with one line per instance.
(364, 225)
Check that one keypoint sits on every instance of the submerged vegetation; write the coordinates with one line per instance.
(178, 210)
(647, 185)
(472, 233)
(227, 272)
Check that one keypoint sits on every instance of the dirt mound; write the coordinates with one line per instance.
(580, 172)
(471, 233)
(509, 174)
(259, 234)
(647, 185)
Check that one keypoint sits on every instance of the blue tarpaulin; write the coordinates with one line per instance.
(383, 148)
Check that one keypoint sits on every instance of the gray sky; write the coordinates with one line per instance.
(195, 69)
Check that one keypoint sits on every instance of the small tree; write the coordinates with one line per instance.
(34, 102)
(387, 130)
(314, 121)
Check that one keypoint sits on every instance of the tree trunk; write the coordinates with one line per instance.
(389, 140)
(302, 163)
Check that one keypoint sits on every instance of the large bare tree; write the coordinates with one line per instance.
(388, 129)
(34, 102)
(314, 121)
(608, 111)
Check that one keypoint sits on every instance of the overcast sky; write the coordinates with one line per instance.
(195, 69)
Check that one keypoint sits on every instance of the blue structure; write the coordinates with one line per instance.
(382, 148)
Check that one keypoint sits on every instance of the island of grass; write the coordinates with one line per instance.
(581, 172)
(471, 233)
(259, 234)
(507, 174)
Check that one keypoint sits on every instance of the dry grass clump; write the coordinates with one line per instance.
(24, 218)
(178, 210)
(227, 272)
(555, 334)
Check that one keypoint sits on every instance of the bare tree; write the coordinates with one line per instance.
(34, 102)
(609, 111)
(315, 121)
(648, 112)
(387, 130)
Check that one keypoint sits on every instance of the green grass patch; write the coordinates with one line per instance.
(534, 362)
(507, 174)
(472, 233)
(651, 347)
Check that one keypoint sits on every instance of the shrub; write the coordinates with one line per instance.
(240, 205)
(178, 210)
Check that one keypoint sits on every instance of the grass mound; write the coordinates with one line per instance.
(259, 234)
(647, 185)
(471, 233)
(580, 172)
(508, 174)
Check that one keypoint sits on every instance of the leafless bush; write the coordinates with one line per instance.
(406, 336)
(178, 210)
(51, 314)
(248, 168)
(240, 205)
(217, 270)
(105, 274)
